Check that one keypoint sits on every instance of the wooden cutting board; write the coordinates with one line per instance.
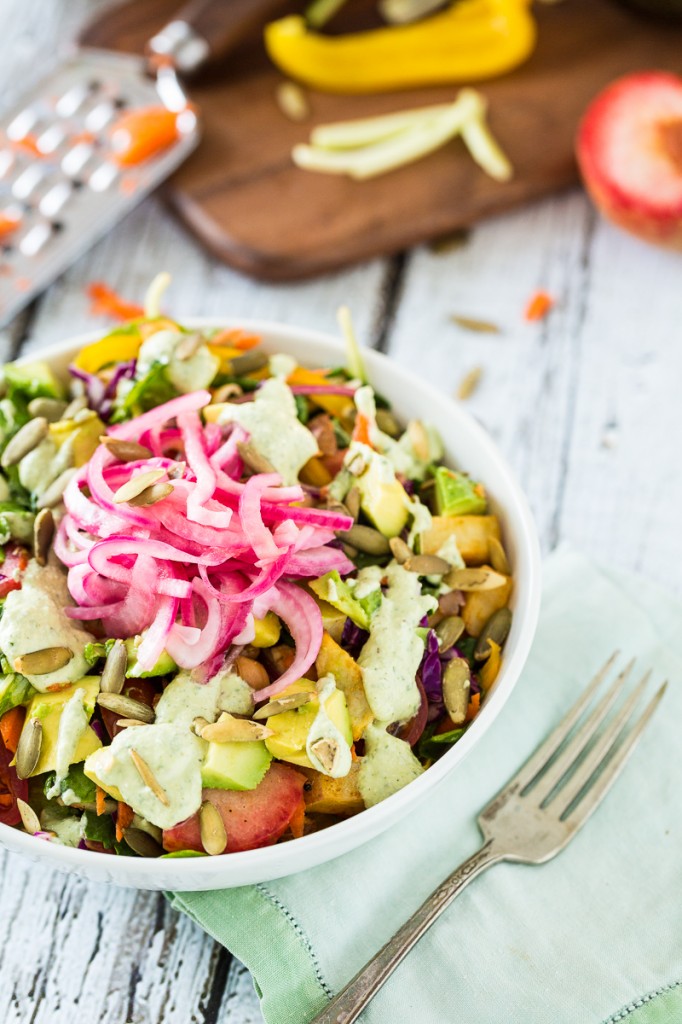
(243, 198)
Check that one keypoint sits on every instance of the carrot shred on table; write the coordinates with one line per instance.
(104, 301)
(474, 707)
(124, 818)
(100, 796)
(235, 337)
(140, 134)
(8, 224)
(538, 306)
(297, 821)
(29, 144)
(11, 724)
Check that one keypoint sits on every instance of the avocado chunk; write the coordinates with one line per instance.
(291, 728)
(16, 523)
(163, 666)
(235, 765)
(457, 495)
(338, 593)
(34, 380)
(48, 708)
(382, 497)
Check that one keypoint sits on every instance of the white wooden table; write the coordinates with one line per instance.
(585, 405)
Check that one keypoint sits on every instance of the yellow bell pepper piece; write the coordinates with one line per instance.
(334, 404)
(115, 348)
(472, 40)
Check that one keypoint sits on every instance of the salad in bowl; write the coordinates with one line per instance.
(242, 598)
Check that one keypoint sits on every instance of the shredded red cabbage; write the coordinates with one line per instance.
(101, 396)
(353, 638)
(431, 670)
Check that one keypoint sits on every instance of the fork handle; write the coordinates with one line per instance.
(204, 30)
(352, 1000)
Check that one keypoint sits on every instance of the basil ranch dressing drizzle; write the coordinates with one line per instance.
(185, 699)
(387, 766)
(34, 618)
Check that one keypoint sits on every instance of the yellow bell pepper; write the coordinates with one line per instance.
(471, 40)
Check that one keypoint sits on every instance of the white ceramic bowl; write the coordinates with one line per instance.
(468, 447)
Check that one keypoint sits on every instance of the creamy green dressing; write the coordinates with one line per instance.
(324, 729)
(388, 765)
(451, 553)
(67, 828)
(184, 699)
(34, 618)
(186, 375)
(275, 429)
(390, 658)
(174, 757)
(401, 453)
(73, 722)
(281, 365)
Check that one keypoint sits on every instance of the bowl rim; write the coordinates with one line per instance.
(374, 819)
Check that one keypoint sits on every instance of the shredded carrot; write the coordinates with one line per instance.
(353, 753)
(297, 821)
(8, 224)
(105, 302)
(11, 724)
(234, 337)
(124, 817)
(100, 796)
(29, 144)
(539, 306)
(361, 429)
(140, 134)
(474, 707)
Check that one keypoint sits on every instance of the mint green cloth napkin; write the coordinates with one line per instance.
(594, 936)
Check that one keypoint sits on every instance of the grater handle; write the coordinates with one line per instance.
(204, 30)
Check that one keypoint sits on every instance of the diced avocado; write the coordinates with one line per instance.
(14, 690)
(291, 728)
(33, 380)
(16, 523)
(164, 665)
(382, 497)
(48, 708)
(235, 765)
(82, 435)
(267, 631)
(339, 594)
(457, 495)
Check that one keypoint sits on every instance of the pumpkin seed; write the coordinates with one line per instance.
(77, 405)
(428, 565)
(198, 724)
(52, 409)
(212, 829)
(498, 557)
(366, 539)
(151, 495)
(41, 663)
(456, 686)
(401, 551)
(125, 451)
(327, 751)
(226, 392)
(248, 363)
(141, 843)
(29, 818)
(353, 502)
(53, 494)
(24, 441)
(497, 629)
(229, 729)
(28, 748)
(292, 101)
(281, 704)
(469, 383)
(177, 471)
(448, 631)
(475, 579)
(129, 723)
(387, 422)
(470, 323)
(337, 506)
(114, 671)
(149, 778)
(256, 462)
(43, 532)
(126, 707)
(189, 346)
(137, 484)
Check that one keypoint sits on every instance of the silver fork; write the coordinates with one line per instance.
(529, 821)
